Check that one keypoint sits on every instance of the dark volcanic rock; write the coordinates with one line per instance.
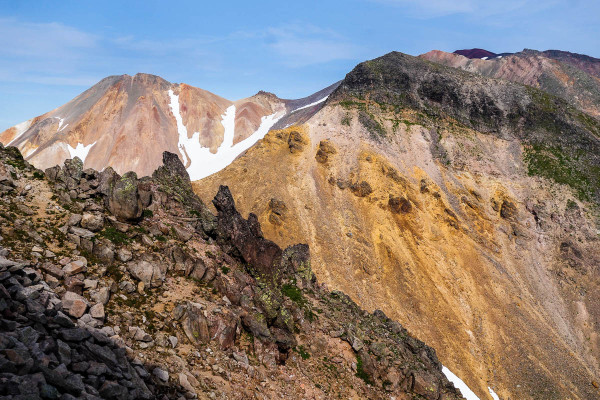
(245, 235)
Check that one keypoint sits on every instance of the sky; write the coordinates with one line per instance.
(51, 51)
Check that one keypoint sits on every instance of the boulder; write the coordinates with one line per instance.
(92, 222)
(325, 150)
(195, 325)
(151, 273)
(124, 254)
(74, 267)
(124, 201)
(74, 219)
(82, 233)
(97, 311)
(183, 234)
(361, 189)
(101, 295)
(161, 374)
(75, 304)
(139, 334)
(6, 176)
(295, 142)
(104, 250)
(399, 205)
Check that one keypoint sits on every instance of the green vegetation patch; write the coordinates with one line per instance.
(38, 175)
(552, 163)
(114, 272)
(347, 119)
(294, 293)
(360, 371)
(147, 214)
(302, 352)
(115, 236)
(371, 124)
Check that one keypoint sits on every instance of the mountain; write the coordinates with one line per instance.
(462, 202)
(461, 205)
(126, 122)
(130, 289)
(573, 77)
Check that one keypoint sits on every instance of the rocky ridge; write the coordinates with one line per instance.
(562, 142)
(131, 288)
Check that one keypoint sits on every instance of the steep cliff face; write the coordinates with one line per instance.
(573, 77)
(461, 205)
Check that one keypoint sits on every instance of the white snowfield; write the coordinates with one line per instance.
(80, 151)
(464, 389)
(311, 104)
(202, 162)
(21, 129)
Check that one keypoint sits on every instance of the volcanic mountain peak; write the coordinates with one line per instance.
(476, 53)
(126, 122)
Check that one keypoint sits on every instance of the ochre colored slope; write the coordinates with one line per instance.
(467, 251)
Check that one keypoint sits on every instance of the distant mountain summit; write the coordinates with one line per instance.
(478, 53)
(573, 77)
(127, 122)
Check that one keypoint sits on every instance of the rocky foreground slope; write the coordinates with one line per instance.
(463, 206)
(113, 287)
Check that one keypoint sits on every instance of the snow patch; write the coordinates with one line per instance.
(493, 394)
(181, 129)
(80, 151)
(311, 104)
(21, 129)
(61, 121)
(459, 384)
(204, 163)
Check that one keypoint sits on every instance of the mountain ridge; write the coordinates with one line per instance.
(89, 309)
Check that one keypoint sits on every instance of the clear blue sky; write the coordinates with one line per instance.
(50, 51)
